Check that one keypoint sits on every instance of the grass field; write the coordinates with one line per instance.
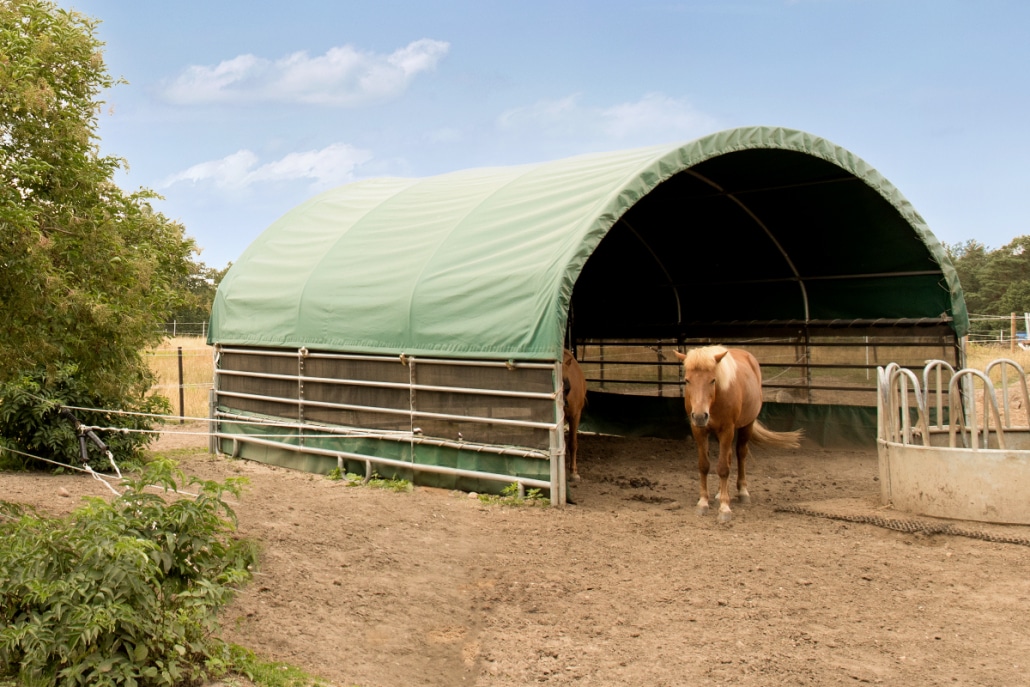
(980, 355)
(197, 373)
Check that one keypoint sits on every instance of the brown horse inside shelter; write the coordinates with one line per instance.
(723, 394)
(575, 385)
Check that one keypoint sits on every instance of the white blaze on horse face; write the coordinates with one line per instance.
(699, 390)
(701, 380)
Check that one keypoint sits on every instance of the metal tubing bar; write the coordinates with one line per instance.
(510, 364)
(260, 351)
(393, 385)
(824, 277)
(386, 435)
(440, 469)
(661, 265)
(814, 387)
(765, 341)
(342, 430)
(765, 365)
(760, 223)
(835, 323)
(394, 411)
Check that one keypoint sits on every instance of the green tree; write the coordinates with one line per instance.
(198, 293)
(996, 282)
(969, 259)
(1006, 275)
(87, 271)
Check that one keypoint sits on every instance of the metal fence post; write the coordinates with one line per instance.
(182, 391)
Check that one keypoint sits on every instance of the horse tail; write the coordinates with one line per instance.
(763, 436)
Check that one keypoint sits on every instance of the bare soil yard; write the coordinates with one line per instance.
(628, 587)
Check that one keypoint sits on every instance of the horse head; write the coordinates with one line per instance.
(703, 377)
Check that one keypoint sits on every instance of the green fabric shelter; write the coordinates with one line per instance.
(763, 225)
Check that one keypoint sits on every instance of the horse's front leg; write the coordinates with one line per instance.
(743, 436)
(723, 468)
(701, 439)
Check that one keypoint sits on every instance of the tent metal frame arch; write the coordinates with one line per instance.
(743, 206)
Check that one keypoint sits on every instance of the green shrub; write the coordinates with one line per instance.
(260, 671)
(120, 593)
(30, 420)
(509, 496)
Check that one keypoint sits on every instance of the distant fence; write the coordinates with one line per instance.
(184, 373)
(1005, 328)
(175, 328)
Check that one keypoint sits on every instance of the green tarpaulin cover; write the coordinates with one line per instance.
(482, 263)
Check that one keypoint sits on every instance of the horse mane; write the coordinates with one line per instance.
(704, 359)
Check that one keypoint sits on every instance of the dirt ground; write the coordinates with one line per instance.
(369, 587)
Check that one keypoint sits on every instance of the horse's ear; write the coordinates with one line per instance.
(719, 356)
(679, 355)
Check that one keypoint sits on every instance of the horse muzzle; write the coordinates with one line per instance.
(699, 419)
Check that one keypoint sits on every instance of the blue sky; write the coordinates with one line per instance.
(236, 111)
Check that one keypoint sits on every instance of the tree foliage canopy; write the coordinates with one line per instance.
(87, 271)
(995, 282)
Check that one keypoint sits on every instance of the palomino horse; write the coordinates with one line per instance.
(575, 385)
(723, 394)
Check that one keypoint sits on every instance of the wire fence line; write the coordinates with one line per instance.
(184, 375)
(1009, 329)
(176, 328)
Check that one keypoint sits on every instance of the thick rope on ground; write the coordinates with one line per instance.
(910, 526)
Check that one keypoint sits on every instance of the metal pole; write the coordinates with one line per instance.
(557, 432)
(182, 393)
(658, 351)
(212, 425)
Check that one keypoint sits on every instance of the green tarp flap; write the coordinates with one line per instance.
(483, 263)
(422, 454)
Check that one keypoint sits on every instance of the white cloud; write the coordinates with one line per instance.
(654, 118)
(344, 76)
(328, 167)
(655, 112)
(549, 115)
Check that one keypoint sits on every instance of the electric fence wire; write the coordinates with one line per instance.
(304, 431)
(86, 467)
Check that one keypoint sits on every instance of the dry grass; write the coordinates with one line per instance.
(197, 373)
(979, 355)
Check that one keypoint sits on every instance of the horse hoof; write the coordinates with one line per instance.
(725, 516)
(701, 510)
(743, 498)
(575, 477)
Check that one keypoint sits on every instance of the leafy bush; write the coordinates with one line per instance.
(31, 423)
(120, 593)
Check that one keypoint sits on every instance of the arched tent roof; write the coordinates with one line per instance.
(751, 225)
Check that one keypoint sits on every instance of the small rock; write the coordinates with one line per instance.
(61, 491)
